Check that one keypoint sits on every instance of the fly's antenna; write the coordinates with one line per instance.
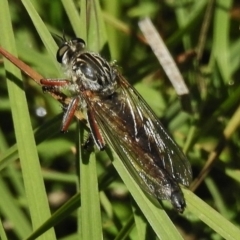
(64, 36)
(60, 40)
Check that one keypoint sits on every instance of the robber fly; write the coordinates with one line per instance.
(117, 114)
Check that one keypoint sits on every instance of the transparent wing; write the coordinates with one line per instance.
(171, 156)
(137, 136)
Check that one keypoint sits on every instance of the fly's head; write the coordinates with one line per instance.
(68, 50)
(87, 70)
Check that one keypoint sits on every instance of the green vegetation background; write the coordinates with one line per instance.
(42, 183)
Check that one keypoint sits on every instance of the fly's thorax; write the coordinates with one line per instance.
(92, 72)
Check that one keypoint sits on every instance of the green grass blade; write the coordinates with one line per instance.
(192, 19)
(73, 16)
(13, 212)
(211, 217)
(126, 230)
(96, 33)
(91, 227)
(58, 216)
(220, 39)
(141, 224)
(215, 93)
(157, 218)
(2, 232)
(10, 155)
(42, 31)
(34, 186)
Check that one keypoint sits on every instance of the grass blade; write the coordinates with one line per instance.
(35, 190)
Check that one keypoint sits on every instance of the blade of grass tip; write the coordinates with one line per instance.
(35, 190)
(42, 31)
(157, 218)
(91, 225)
(211, 217)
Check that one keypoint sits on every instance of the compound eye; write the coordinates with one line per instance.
(61, 52)
(79, 41)
(75, 44)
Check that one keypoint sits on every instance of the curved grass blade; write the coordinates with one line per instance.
(35, 190)
(211, 217)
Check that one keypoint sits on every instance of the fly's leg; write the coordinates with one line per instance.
(69, 113)
(88, 143)
(55, 85)
(96, 135)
